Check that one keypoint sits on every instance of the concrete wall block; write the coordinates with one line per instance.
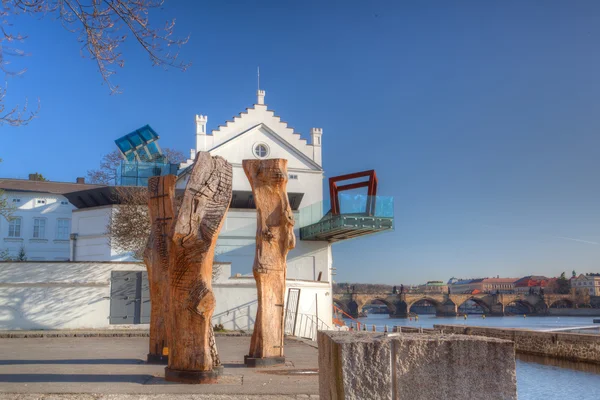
(364, 365)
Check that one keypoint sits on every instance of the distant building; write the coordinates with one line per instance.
(502, 285)
(433, 287)
(465, 285)
(482, 285)
(587, 283)
(41, 221)
(531, 283)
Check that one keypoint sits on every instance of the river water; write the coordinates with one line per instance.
(538, 378)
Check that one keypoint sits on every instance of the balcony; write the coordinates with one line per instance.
(354, 220)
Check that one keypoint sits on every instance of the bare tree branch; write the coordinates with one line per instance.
(102, 26)
(106, 174)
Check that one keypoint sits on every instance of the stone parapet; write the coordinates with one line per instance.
(567, 346)
(413, 366)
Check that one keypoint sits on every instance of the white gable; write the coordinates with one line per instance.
(241, 147)
(278, 132)
(257, 115)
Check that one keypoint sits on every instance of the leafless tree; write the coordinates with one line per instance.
(101, 27)
(107, 173)
(129, 225)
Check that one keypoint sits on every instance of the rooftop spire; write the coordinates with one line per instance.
(260, 94)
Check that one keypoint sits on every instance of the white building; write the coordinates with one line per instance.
(589, 283)
(40, 223)
(256, 133)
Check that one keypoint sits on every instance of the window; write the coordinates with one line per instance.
(64, 203)
(261, 150)
(293, 176)
(39, 228)
(16, 200)
(14, 228)
(41, 201)
(63, 229)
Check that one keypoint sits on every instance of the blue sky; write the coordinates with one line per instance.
(480, 118)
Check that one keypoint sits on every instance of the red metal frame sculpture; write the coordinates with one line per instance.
(371, 184)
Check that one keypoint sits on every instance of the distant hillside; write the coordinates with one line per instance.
(362, 288)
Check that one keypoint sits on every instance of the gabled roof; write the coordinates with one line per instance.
(25, 185)
(256, 115)
(276, 136)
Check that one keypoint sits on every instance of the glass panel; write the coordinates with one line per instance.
(123, 144)
(350, 204)
(135, 139)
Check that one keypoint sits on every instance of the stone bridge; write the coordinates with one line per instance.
(447, 304)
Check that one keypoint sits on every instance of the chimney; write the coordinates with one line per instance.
(80, 179)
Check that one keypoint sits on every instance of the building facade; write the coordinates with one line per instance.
(482, 285)
(40, 223)
(531, 284)
(256, 133)
(589, 283)
(433, 287)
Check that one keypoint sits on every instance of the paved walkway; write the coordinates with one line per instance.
(102, 367)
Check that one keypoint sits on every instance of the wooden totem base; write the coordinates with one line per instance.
(157, 359)
(252, 362)
(192, 377)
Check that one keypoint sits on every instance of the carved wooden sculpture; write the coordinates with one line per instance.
(192, 350)
(274, 238)
(161, 210)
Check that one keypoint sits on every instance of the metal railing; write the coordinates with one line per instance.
(336, 310)
(307, 326)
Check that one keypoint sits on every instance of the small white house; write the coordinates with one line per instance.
(40, 222)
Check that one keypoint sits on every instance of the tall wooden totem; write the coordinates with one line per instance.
(161, 210)
(192, 349)
(274, 238)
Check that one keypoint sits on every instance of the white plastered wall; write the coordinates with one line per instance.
(76, 295)
(92, 243)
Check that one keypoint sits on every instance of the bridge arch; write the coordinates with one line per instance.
(424, 298)
(480, 303)
(562, 303)
(413, 302)
(390, 306)
(519, 306)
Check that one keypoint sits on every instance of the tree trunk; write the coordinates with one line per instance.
(192, 351)
(161, 210)
(274, 238)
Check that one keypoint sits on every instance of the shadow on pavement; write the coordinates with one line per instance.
(50, 378)
(75, 361)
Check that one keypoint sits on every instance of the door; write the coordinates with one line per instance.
(129, 298)
(291, 311)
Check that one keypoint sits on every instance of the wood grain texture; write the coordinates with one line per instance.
(194, 237)
(274, 238)
(161, 210)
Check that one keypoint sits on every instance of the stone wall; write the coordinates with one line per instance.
(413, 366)
(575, 312)
(568, 346)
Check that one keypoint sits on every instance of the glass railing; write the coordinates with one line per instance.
(350, 204)
(134, 173)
